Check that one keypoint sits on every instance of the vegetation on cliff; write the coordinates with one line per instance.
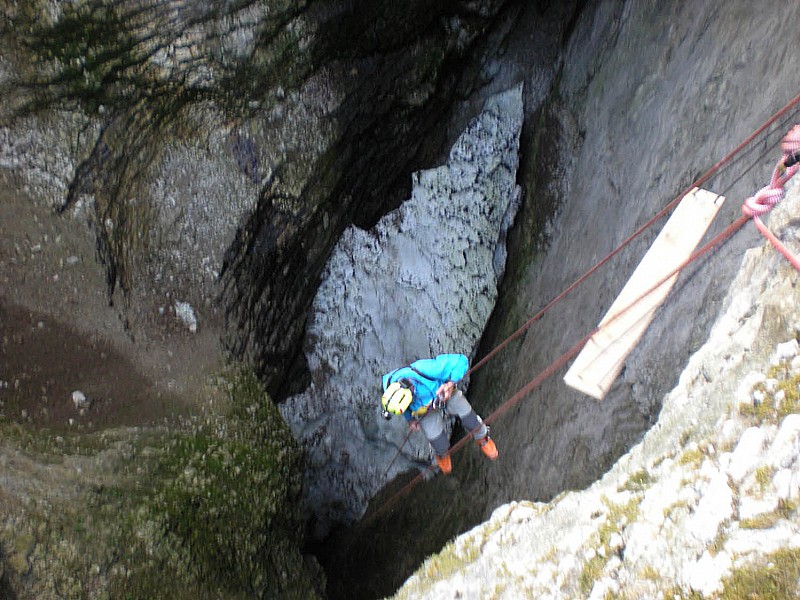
(209, 509)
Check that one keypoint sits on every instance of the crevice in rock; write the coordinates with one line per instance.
(390, 122)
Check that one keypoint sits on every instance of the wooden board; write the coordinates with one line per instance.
(601, 359)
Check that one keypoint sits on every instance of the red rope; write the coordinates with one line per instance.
(697, 183)
(707, 248)
(713, 244)
(396, 454)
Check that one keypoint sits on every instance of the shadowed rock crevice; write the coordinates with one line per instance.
(368, 86)
(421, 282)
(398, 82)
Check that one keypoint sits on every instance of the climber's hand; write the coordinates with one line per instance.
(445, 391)
(413, 425)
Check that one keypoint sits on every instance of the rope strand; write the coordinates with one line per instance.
(760, 202)
(765, 199)
(697, 183)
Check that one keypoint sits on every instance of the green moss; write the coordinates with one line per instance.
(770, 409)
(760, 412)
(650, 573)
(763, 521)
(678, 593)
(790, 403)
(499, 588)
(775, 577)
(448, 561)
(763, 477)
(89, 46)
(637, 481)
(211, 511)
(619, 515)
(224, 511)
(590, 572)
(452, 559)
(19, 549)
(50, 447)
(224, 500)
(786, 508)
(718, 543)
(693, 457)
(550, 555)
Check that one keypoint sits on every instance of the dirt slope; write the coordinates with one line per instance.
(59, 333)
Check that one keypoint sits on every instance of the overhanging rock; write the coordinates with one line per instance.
(423, 281)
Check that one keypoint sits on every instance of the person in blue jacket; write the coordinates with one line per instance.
(421, 390)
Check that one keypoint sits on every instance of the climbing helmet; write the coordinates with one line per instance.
(396, 399)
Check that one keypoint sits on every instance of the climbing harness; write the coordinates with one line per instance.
(391, 403)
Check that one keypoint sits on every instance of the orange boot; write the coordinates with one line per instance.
(487, 446)
(445, 465)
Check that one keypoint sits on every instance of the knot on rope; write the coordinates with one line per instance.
(763, 201)
(767, 197)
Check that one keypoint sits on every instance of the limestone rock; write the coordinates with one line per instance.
(422, 282)
(80, 400)
(700, 516)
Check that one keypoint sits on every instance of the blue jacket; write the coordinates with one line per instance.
(432, 372)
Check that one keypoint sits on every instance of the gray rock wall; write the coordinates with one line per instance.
(650, 95)
(218, 148)
(422, 282)
(647, 97)
(704, 504)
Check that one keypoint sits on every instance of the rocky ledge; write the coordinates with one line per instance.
(705, 506)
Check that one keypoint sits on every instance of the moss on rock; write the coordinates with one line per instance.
(211, 510)
(776, 576)
(224, 507)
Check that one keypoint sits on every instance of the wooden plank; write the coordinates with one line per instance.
(601, 359)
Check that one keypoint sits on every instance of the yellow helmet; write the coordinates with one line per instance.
(396, 399)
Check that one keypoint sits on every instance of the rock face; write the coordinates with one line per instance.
(647, 97)
(705, 503)
(423, 281)
(215, 149)
(251, 183)
(662, 96)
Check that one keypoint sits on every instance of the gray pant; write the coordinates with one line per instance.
(432, 423)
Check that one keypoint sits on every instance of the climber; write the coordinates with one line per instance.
(422, 391)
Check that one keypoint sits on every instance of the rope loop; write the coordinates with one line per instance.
(765, 199)
(791, 141)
